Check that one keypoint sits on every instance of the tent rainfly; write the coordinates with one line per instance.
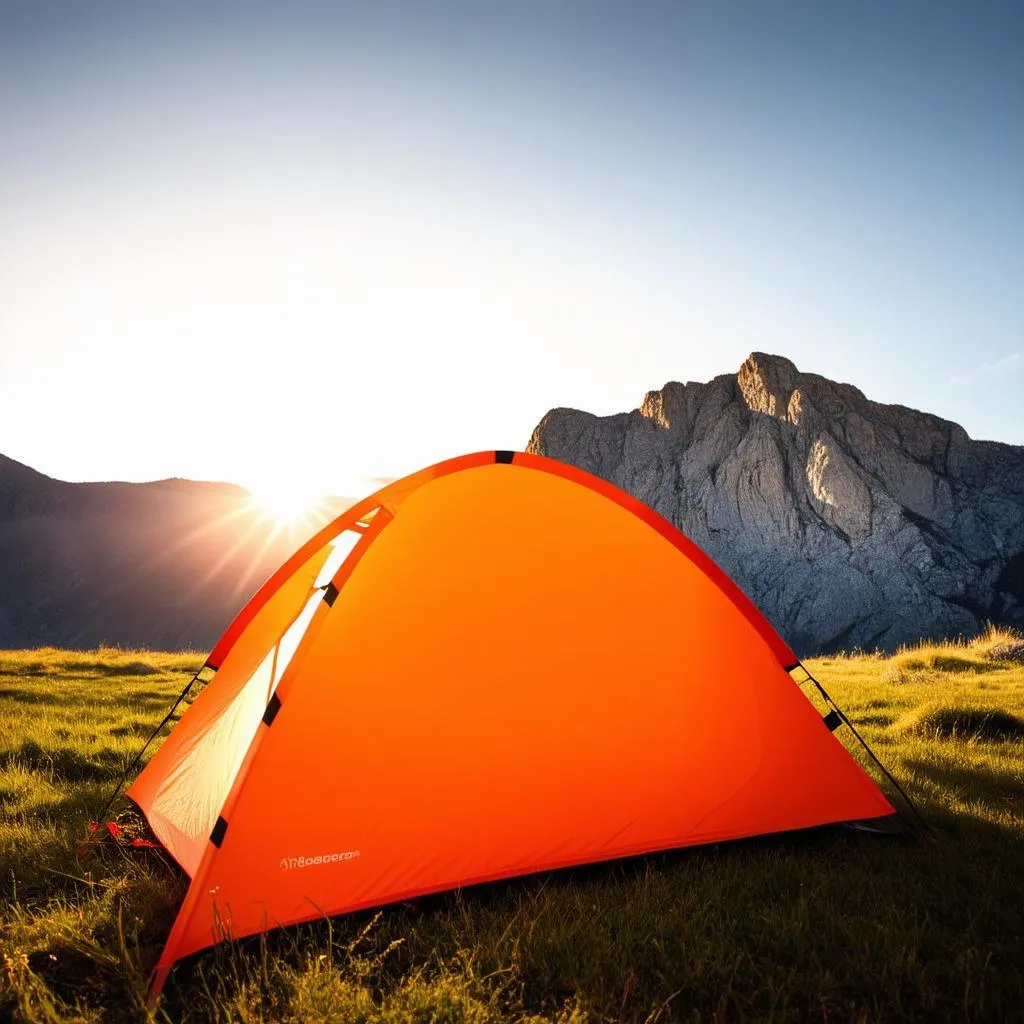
(496, 666)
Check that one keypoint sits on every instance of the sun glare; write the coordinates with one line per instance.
(293, 503)
(285, 503)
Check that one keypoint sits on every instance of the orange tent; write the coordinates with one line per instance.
(496, 666)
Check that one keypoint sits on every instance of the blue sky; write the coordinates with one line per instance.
(306, 245)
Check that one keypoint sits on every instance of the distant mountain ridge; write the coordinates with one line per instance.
(164, 565)
(849, 523)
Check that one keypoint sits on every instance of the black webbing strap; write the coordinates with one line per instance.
(833, 720)
(220, 826)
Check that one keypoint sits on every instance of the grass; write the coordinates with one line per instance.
(828, 925)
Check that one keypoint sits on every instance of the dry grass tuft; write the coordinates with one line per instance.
(995, 649)
(964, 723)
(1001, 644)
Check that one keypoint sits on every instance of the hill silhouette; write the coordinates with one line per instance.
(164, 565)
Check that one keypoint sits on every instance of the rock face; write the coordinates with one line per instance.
(849, 523)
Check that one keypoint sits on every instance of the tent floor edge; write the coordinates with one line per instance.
(895, 824)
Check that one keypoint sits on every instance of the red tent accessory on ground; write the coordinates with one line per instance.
(497, 666)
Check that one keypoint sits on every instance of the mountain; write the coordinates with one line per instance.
(851, 524)
(164, 565)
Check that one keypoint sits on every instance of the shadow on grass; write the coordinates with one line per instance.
(135, 728)
(24, 695)
(71, 811)
(164, 697)
(977, 784)
(957, 663)
(873, 719)
(435, 926)
(29, 668)
(673, 921)
(64, 764)
(86, 667)
(79, 968)
(970, 723)
(152, 699)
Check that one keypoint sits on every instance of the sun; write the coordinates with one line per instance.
(285, 502)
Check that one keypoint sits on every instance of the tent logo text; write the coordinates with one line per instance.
(288, 863)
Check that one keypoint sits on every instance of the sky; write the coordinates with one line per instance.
(314, 245)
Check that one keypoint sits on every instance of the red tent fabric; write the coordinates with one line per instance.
(497, 666)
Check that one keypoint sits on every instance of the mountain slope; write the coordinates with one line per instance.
(163, 565)
(850, 523)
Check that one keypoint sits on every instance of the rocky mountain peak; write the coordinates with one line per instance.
(768, 385)
(849, 522)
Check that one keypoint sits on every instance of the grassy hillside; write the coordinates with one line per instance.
(825, 926)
